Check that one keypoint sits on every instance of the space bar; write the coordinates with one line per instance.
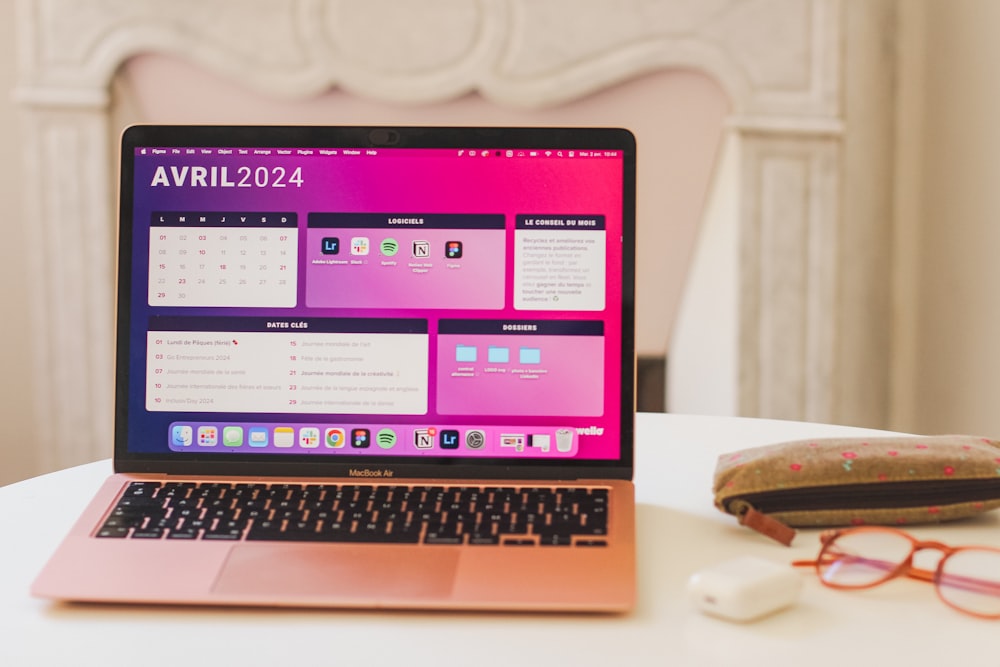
(272, 535)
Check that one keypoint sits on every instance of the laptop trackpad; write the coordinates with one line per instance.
(339, 572)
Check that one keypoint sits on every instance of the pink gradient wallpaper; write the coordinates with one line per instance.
(473, 301)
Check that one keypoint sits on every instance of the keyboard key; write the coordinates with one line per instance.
(139, 489)
(554, 539)
(182, 534)
(436, 515)
(147, 533)
(511, 542)
(591, 543)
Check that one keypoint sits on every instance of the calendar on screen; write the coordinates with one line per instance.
(223, 258)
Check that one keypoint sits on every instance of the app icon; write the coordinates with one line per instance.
(421, 248)
(423, 438)
(386, 438)
(232, 436)
(309, 437)
(330, 245)
(335, 438)
(448, 439)
(181, 436)
(389, 247)
(515, 440)
(359, 245)
(475, 439)
(208, 436)
(453, 249)
(284, 436)
(258, 436)
(540, 441)
(564, 440)
(361, 438)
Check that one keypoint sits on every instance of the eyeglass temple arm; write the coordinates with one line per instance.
(830, 559)
(912, 572)
(972, 584)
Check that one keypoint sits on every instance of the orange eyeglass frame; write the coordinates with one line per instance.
(905, 567)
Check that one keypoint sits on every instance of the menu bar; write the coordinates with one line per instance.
(464, 153)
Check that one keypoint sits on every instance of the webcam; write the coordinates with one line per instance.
(383, 137)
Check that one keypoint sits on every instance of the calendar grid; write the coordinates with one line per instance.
(223, 259)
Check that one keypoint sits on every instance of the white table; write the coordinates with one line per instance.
(679, 532)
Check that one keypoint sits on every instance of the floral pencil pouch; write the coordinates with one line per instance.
(894, 480)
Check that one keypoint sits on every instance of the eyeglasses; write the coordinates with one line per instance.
(966, 578)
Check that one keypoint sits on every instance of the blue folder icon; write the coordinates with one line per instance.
(530, 355)
(498, 355)
(465, 353)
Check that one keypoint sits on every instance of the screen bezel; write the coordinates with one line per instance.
(264, 465)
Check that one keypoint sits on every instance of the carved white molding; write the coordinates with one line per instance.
(780, 61)
(788, 271)
(774, 57)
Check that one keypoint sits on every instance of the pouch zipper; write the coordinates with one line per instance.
(874, 495)
(754, 509)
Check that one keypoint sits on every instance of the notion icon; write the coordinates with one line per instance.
(421, 249)
(423, 438)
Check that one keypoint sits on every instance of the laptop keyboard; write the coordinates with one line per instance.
(519, 516)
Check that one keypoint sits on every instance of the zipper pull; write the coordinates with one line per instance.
(766, 525)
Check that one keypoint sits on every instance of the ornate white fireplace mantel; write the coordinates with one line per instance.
(813, 312)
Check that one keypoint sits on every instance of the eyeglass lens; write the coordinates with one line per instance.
(860, 559)
(969, 578)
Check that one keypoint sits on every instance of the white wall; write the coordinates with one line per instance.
(700, 383)
(945, 342)
(956, 365)
(16, 409)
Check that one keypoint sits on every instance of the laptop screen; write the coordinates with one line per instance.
(375, 296)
